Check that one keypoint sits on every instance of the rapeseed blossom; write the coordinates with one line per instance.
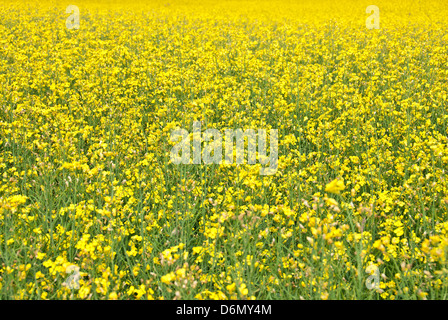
(85, 173)
(335, 186)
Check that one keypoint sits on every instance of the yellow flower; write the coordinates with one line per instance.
(181, 273)
(41, 255)
(168, 278)
(335, 186)
(197, 250)
(243, 289)
(330, 201)
(422, 295)
(231, 287)
(83, 292)
(131, 290)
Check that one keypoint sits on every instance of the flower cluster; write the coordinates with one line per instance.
(86, 178)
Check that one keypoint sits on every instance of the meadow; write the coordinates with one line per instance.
(87, 186)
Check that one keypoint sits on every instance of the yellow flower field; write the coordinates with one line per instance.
(92, 207)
